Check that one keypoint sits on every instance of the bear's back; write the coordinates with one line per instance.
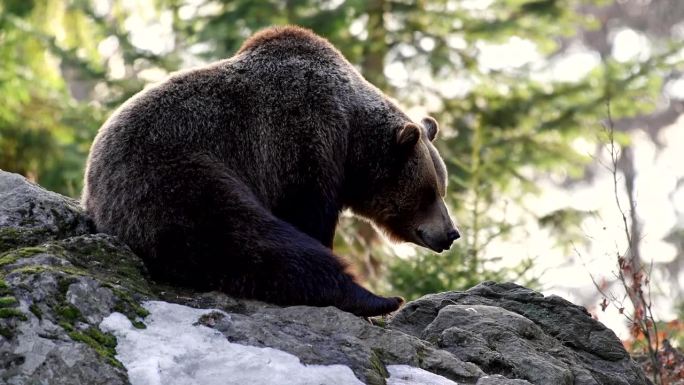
(278, 107)
(279, 79)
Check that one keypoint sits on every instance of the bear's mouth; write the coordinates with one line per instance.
(422, 240)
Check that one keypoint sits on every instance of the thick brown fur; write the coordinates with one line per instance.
(232, 176)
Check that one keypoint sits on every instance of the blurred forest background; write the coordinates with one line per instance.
(522, 90)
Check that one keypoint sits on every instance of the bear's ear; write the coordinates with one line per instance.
(408, 136)
(431, 127)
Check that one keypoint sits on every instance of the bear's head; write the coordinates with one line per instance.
(408, 200)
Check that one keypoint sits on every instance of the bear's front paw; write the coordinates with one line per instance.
(380, 306)
(366, 304)
(394, 304)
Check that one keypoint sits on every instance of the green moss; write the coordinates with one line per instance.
(68, 313)
(379, 321)
(37, 269)
(421, 354)
(9, 232)
(377, 364)
(29, 251)
(8, 258)
(8, 308)
(10, 312)
(105, 339)
(379, 372)
(128, 306)
(10, 238)
(141, 311)
(103, 343)
(14, 237)
(8, 301)
(32, 269)
(63, 284)
(107, 261)
(25, 252)
(36, 311)
(66, 326)
(6, 332)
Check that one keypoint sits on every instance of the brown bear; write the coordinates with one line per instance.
(232, 176)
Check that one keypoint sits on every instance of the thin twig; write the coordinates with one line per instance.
(633, 284)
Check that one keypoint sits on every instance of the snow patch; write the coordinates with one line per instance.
(408, 375)
(173, 351)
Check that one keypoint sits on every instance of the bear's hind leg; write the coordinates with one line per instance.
(248, 252)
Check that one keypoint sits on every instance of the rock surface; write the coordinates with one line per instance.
(58, 281)
(31, 215)
(509, 330)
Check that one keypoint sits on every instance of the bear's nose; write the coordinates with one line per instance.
(452, 235)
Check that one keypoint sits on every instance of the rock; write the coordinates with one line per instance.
(516, 332)
(49, 336)
(58, 282)
(30, 215)
(327, 335)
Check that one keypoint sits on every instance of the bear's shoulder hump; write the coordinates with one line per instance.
(289, 33)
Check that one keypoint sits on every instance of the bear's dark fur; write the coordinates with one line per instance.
(232, 176)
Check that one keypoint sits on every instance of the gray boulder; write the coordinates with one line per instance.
(30, 215)
(518, 333)
(58, 281)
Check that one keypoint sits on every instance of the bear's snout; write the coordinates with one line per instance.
(438, 241)
(436, 230)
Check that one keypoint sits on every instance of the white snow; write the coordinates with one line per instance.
(173, 351)
(408, 375)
